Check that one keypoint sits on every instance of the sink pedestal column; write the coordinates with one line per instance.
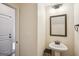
(57, 53)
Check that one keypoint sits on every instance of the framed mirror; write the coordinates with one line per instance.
(58, 25)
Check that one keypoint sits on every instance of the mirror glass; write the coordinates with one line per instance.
(58, 25)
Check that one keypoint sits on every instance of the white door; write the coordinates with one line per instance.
(7, 30)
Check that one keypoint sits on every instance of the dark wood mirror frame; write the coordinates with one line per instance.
(65, 19)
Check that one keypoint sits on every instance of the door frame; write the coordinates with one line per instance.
(17, 48)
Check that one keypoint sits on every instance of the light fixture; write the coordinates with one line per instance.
(56, 6)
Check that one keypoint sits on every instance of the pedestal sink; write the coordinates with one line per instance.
(58, 48)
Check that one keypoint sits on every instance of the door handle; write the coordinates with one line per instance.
(16, 42)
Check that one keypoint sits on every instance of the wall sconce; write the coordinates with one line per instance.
(57, 6)
(76, 27)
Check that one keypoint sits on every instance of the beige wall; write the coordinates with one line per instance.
(28, 29)
(41, 31)
(69, 40)
(76, 21)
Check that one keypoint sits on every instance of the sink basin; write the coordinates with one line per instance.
(56, 47)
